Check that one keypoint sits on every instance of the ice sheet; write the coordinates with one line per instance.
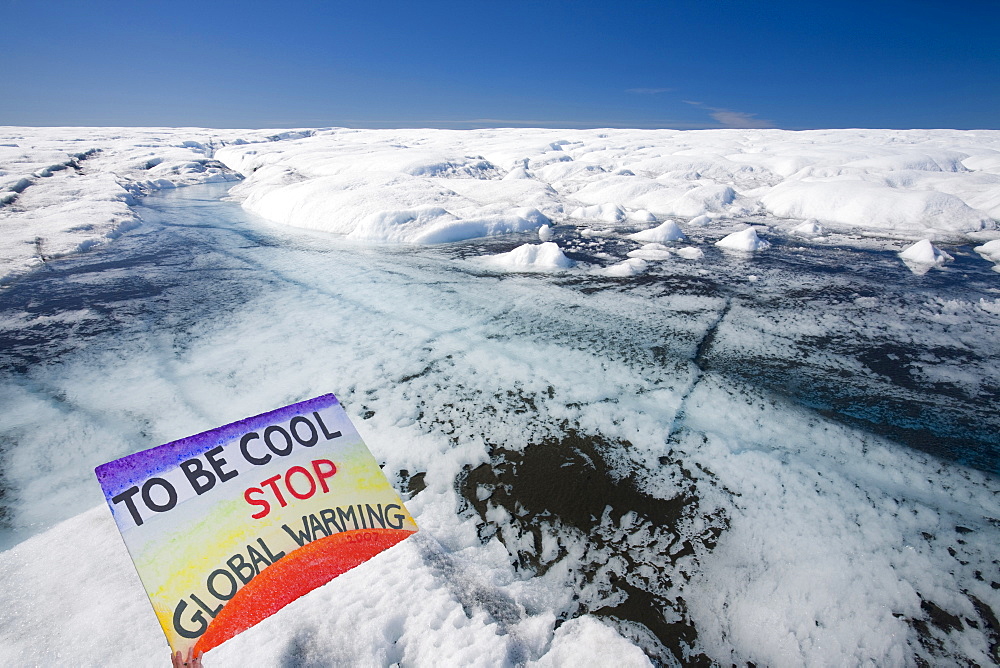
(695, 459)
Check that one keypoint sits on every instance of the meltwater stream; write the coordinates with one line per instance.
(705, 456)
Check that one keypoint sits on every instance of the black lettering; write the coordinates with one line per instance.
(257, 559)
(361, 514)
(201, 604)
(195, 470)
(126, 496)
(238, 564)
(148, 499)
(287, 450)
(326, 432)
(218, 462)
(398, 517)
(267, 550)
(302, 538)
(215, 592)
(197, 617)
(372, 515)
(293, 427)
(329, 517)
(316, 527)
(244, 448)
(345, 516)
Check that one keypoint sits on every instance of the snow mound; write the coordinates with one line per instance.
(990, 250)
(651, 252)
(667, 231)
(516, 174)
(446, 230)
(387, 207)
(666, 195)
(810, 228)
(690, 253)
(624, 269)
(545, 233)
(871, 205)
(532, 257)
(641, 216)
(746, 241)
(608, 212)
(585, 641)
(924, 252)
(702, 199)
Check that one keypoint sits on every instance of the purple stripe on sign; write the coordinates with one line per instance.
(133, 469)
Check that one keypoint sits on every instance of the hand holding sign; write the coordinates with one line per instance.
(227, 527)
(192, 660)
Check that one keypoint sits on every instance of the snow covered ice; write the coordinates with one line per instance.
(618, 449)
(666, 231)
(744, 240)
(923, 255)
(990, 251)
(810, 228)
(532, 257)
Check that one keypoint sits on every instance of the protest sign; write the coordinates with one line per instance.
(228, 526)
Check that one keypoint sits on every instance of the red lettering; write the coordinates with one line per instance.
(323, 475)
(273, 482)
(288, 482)
(257, 502)
(257, 496)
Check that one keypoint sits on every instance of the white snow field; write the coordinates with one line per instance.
(621, 448)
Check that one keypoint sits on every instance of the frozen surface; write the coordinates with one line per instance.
(785, 458)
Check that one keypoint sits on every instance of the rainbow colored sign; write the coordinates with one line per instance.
(229, 526)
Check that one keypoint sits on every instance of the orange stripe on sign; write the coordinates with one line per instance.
(295, 575)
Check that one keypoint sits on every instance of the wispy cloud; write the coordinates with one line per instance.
(648, 91)
(739, 119)
(733, 119)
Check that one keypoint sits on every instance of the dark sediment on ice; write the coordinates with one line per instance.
(625, 546)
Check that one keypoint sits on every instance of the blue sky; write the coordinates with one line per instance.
(685, 64)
